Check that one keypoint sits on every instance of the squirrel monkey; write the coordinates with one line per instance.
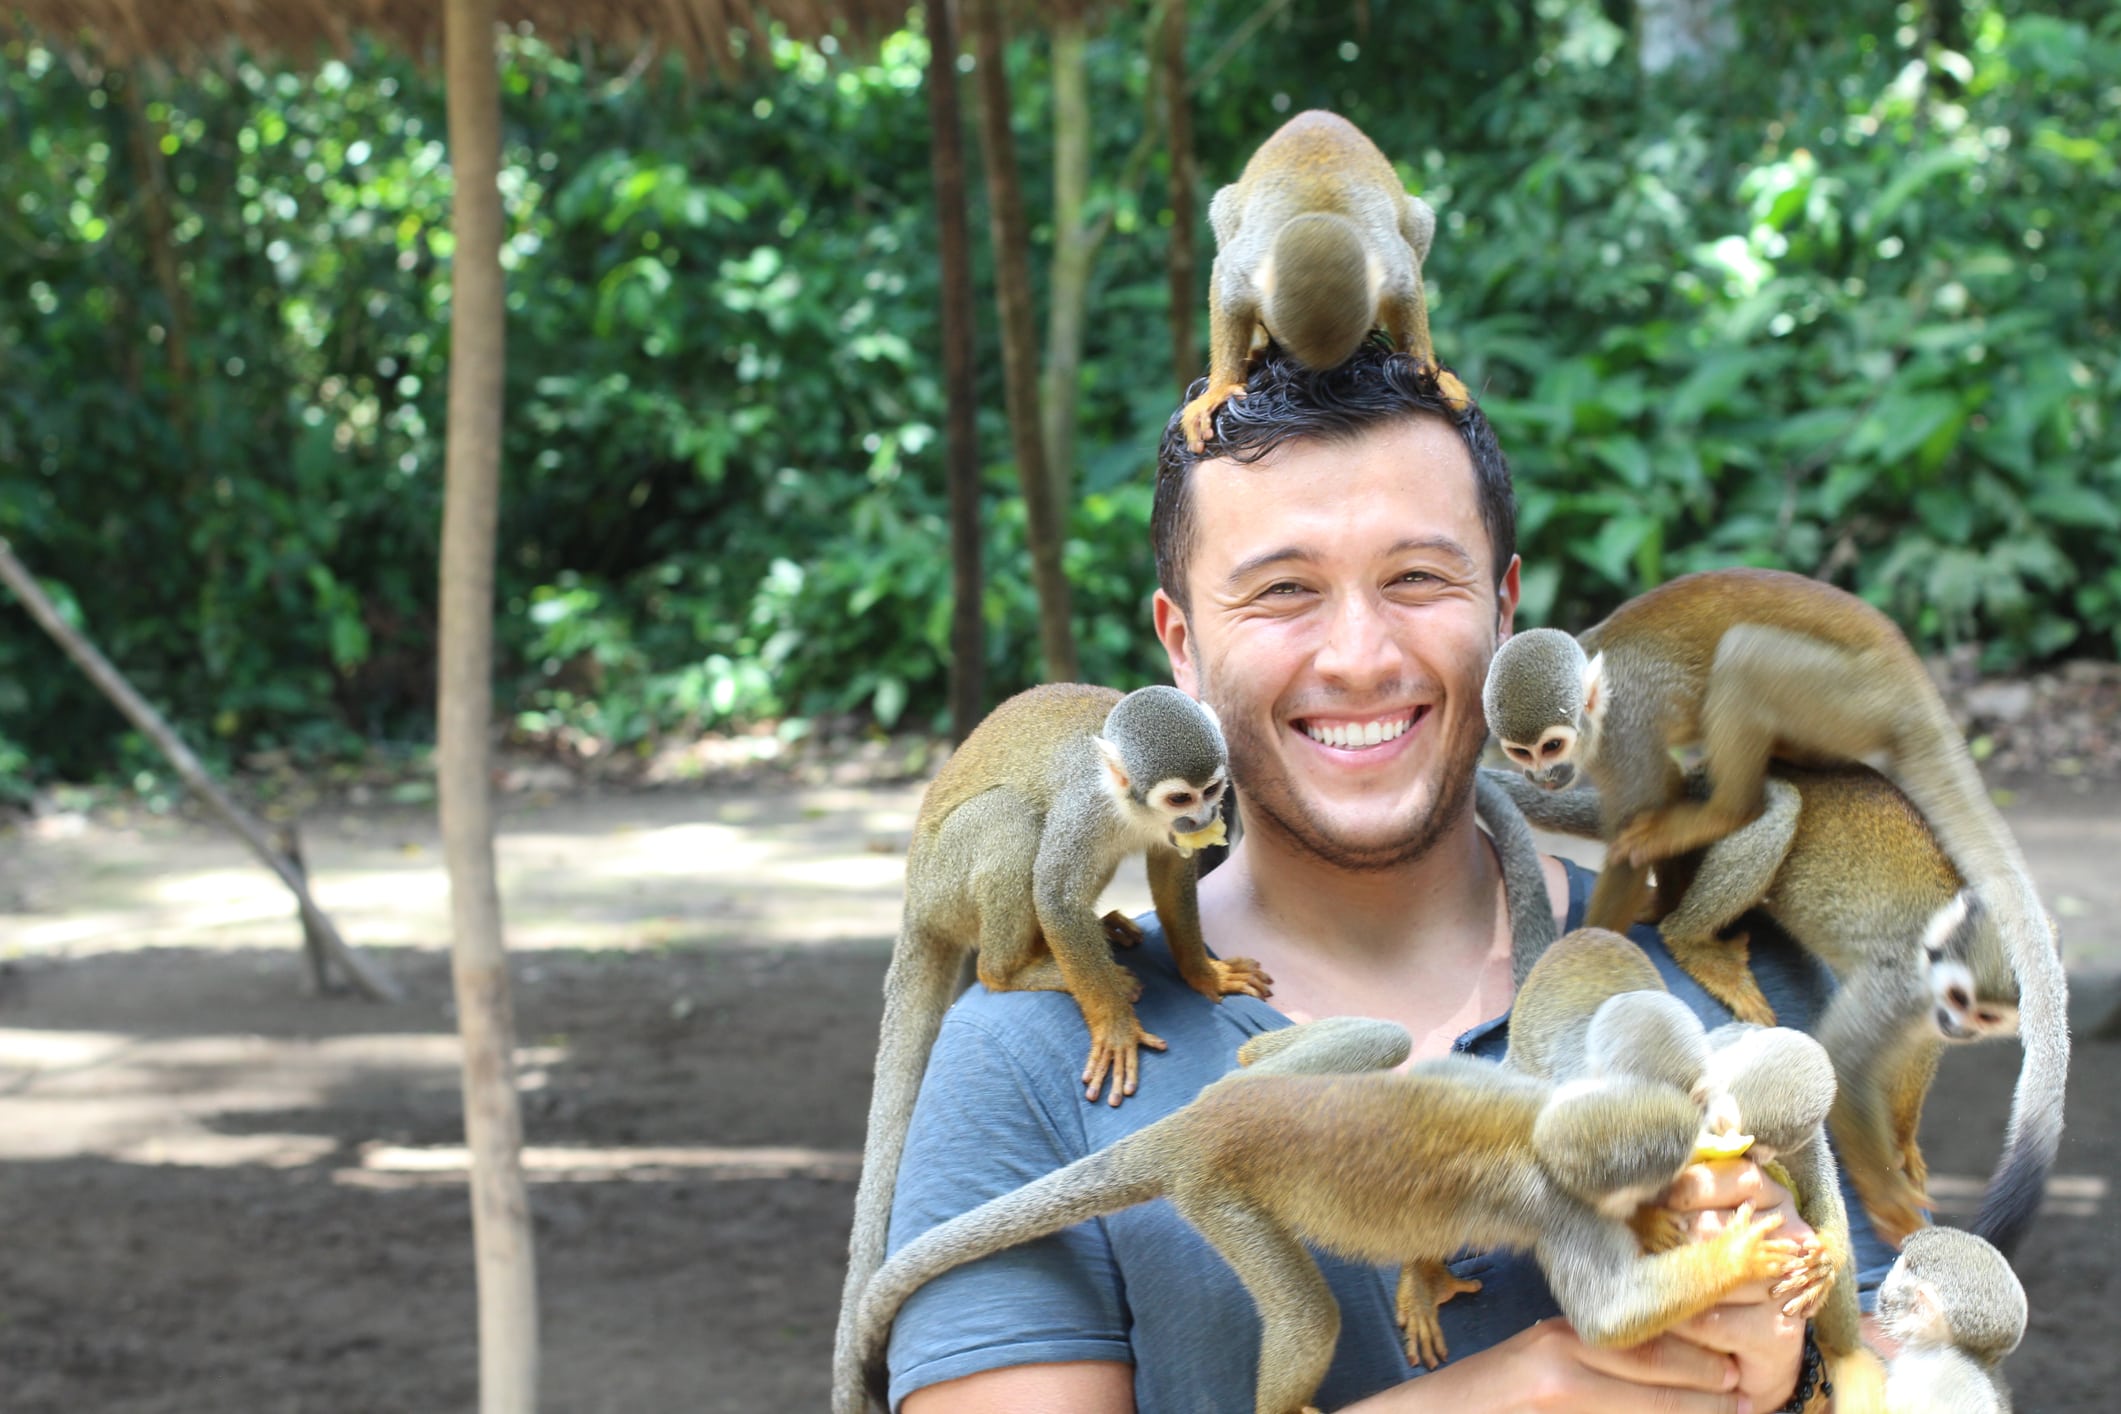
(1317, 243)
(1595, 1006)
(1753, 664)
(1840, 861)
(1957, 1309)
(1384, 1167)
(1015, 839)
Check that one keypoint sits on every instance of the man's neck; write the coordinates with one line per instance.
(1424, 942)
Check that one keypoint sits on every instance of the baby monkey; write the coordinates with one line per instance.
(1385, 1168)
(1317, 244)
(1956, 1308)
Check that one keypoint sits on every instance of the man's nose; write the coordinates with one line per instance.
(1359, 649)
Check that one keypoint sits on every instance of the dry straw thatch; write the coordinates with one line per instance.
(183, 32)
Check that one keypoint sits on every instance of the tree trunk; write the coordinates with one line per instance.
(1180, 261)
(1692, 35)
(493, 1124)
(1074, 248)
(315, 924)
(946, 152)
(1011, 237)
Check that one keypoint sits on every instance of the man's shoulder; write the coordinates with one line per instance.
(1043, 1033)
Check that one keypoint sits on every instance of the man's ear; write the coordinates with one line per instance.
(1594, 689)
(1176, 635)
(1115, 770)
(1508, 590)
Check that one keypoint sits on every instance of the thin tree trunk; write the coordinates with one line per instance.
(1181, 262)
(1011, 239)
(493, 1123)
(373, 983)
(1074, 247)
(946, 150)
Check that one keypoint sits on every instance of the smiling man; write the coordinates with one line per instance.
(1336, 572)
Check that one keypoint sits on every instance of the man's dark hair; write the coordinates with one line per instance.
(1285, 402)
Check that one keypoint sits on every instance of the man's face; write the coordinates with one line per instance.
(1344, 611)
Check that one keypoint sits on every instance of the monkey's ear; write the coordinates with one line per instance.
(1594, 688)
(1114, 768)
(1209, 711)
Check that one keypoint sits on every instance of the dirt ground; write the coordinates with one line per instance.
(221, 1192)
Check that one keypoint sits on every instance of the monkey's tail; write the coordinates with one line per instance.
(2034, 1133)
(1939, 777)
(1524, 879)
(918, 989)
(1116, 1177)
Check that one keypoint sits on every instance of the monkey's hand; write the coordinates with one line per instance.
(1745, 1251)
(1230, 977)
(1807, 1281)
(1449, 385)
(1115, 1043)
(1198, 416)
(1424, 1286)
(1120, 930)
(1674, 829)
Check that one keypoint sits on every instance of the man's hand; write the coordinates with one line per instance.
(1749, 1326)
(1547, 1367)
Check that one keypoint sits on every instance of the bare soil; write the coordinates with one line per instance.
(221, 1192)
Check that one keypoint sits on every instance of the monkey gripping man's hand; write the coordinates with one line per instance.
(1750, 1325)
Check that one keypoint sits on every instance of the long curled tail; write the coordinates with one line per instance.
(2034, 1133)
(918, 989)
(1113, 1178)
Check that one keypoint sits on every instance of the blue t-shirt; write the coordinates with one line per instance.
(1001, 1105)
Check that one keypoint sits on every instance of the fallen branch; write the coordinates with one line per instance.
(372, 982)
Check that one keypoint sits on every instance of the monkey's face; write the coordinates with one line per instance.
(1548, 762)
(1960, 1009)
(1908, 1310)
(1177, 806)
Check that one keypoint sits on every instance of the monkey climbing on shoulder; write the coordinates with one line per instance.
(1317, 243)
(1385, 1168)
(1957, 1309)
(1752, 665)
(1015, 838)
(1840, 861)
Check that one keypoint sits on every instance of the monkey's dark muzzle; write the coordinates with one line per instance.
(1553, 777)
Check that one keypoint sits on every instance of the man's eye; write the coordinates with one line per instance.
(1283, 587)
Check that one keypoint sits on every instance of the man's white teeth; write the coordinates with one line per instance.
(1355, 735)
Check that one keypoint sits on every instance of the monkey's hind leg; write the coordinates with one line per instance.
(1120, 930)
(1299, 1320)
(1767, 688)
(1229, 348)
(1729, 877)
(1425, 1285)
(1406, 317)
(1876, 1032)
(1173, 887)
(1617, 899)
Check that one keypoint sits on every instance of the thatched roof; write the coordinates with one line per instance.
(185, 31)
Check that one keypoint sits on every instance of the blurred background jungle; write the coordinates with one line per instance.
(1842, 299)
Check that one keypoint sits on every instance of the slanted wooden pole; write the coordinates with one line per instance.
(372, 980)
(493, 1121)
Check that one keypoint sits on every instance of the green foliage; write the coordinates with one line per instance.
(1845, 309)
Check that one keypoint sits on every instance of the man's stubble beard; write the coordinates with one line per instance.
(1264, 792)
